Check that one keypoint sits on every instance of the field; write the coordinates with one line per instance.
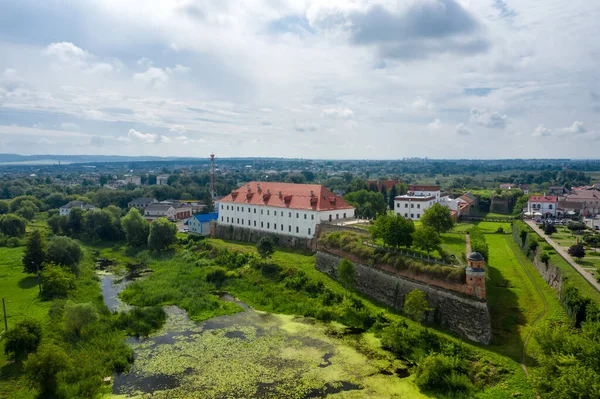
(518, 296)
(20, 291)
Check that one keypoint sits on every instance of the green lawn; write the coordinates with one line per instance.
(20, 291)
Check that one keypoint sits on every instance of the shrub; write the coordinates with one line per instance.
(478, 242)
(64, 251)
(23, 338)
(217, 276)
(79, 315)
(43, 368)
(141, 321)
(443, 373)
(56, 282)
(545, 258)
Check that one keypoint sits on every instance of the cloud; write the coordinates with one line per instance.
(67, 53)
(338, 113)
(420, 30)
(505, 11)
(485, 117)
(178, 129)
(541, 131)
(69, 126)
(435, 125)
(147, 138)
(145, 62)
(576, 128)
(305, 127)
(178, 69)
(10, 73)
(422, 104)
(463, 130)
(154, 77)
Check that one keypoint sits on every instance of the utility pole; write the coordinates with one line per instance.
(5, 320)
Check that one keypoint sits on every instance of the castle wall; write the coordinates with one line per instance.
(465, 316)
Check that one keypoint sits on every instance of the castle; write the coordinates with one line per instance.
(475, 276)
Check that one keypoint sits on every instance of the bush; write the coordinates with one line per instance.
(545, 258)
(23, 338)
(141, 321)
(56, 282)
(217, 276)
(64, 251)
(43, 368)
(79, 315)
(443, 373)
(478, 242)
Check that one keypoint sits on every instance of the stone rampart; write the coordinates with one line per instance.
(465, 316)
(236, 233)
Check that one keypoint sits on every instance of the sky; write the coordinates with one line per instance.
(328, 79)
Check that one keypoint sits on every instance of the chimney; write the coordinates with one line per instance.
(258, 187)
(268, 191)
(280, 195)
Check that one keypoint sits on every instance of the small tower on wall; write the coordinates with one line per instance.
(476, 275)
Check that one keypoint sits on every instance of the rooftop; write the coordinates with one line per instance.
(207, 217)
(543, 198)
(414, 198)
(158, 207)
(475, 256)
(143, 201)
(418, 187)
(287, 195)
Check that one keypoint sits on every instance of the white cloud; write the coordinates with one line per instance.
(422, 104)
(178, 129)
(165, 139)
(435, 125)
(147, 138)
(67, 53)
(146, 62)
(178, 69)
(576, 128)
(463, 130)
(338, 113)
(10, 73)
(154, 77)
(69, 126)
(485, 117)
(541, 131)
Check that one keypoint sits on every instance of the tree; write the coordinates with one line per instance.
(265, 248)
(393, 194)
(64, 251)
(549, 229)
(162, 235)
(27, 210)
(58, 224)
(79, 315)
(76, 221)
(35, 254)
(439, 218)
(100, 224)
(44, 367)
(136, 228)
(576, 226)
(12, 225)
(56, 281)
(577, 251)
(4, 208)
(395, 231)
(415, 305)
(23, 339)
(545, 258)
(346, 274)
(368, 204)
(426, 239)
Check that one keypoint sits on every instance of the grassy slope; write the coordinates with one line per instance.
(20, 291)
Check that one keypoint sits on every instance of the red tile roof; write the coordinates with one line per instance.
(287, 195)
(387, 183)
(416, 187)
(541, 198)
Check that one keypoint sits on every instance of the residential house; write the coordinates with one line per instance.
(557, 190)
(424, 190)
(545, 205)
(137, 180)
(141, 203)
(589, 198)
(162, 180)
(155, 211)
(413, 206)
(507, 186)
(282, 208)
(388, 184)
(525, 188)
(66, 209)
(469, 203)
(200, 224)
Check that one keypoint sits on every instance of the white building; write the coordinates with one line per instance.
(412, 206)
(545, 205)
(142, 203)
(66, 209)
(162, 180)
(155, 211)
(137, 180)
(416, 201)
(282, 208)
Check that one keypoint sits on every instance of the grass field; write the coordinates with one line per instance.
(20, 291)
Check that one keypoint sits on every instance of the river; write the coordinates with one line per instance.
(255, 354)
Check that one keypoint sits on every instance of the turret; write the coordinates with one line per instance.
(475, 274)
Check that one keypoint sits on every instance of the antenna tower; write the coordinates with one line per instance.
(213, 194)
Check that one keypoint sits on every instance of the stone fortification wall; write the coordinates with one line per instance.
(236, 233)
(467, 317)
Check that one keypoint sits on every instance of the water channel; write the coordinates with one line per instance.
(254, 354)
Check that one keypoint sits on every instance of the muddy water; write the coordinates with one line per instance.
(111, 286)
(255, 354)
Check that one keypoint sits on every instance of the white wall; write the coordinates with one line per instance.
(297, 223)
(412, 209)
(435, 194)
(542, 207)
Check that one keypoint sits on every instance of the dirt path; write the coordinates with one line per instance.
(561, 251)
(539, 316)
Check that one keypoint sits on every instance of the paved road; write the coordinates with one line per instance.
(562, 252)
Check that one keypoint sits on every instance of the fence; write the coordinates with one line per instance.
(410, 254)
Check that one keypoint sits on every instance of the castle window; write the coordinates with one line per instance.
(309, 231)
(305, 216)
(406, 205)
(268, 225)
(290, 229)
(267, 212)
(290, 214)
(221, 218)
(255, 223)
(262, 224)
(274, 226)
(312, 217)
(297, 229)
